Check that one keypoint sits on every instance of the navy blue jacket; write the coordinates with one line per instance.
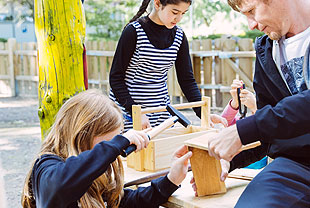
(59, 183)
(282, 122)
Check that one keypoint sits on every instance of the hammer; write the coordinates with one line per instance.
(176, 117)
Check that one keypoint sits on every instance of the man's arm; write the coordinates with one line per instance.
(289, 118)
(292, 114)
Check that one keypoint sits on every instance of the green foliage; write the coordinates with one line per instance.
(252, 34)
(205, 10)
(107, 18)
(212, 37)
(26, 10)
(3, 40)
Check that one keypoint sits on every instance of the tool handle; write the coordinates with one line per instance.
(151, 134)
(129, 150)
(163, 126)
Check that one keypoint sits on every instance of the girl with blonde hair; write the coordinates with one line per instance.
(79, 164)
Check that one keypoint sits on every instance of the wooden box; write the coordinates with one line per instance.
(158, 154)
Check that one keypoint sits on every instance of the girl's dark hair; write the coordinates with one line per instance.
(145, 4)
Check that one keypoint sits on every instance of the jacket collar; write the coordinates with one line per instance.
(306, 67)
(263, 47)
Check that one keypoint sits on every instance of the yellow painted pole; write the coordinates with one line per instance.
(60, 32)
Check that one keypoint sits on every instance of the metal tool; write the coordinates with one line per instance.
(242, 112)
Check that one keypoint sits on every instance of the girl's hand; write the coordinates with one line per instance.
(248, 99)
(179, 165)
(225, 168)
(233, 92)
(139, 138)
(194, 186)
(145, 122)
(215, 119)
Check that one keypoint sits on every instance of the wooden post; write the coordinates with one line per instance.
(205, 113)
(60, 32)
(136, 160)
(246, 64)
(196, 62)
(207, 66)
(218, 72)
(228, 74)
(11, 48)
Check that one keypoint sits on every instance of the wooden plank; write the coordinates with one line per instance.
(205, 112)
(207, 171)
(218, 72)
(246, 64)
(136, 160)
(11, 48)
(3, 56)
(202, 142)
(242, 75)
(165, 147)
(103, 76)
(196, 61)
(176, 106)
(207, 66)
(185, 196)
(228, 74)
(25, 70)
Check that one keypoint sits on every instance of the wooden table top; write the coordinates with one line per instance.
(185, 197)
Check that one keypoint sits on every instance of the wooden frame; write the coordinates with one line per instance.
(157, 155)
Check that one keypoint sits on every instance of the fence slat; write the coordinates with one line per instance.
(228, 74)
(214, 66)
(11, 48)
(207, 66)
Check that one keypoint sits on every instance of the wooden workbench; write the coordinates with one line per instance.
(185, 197)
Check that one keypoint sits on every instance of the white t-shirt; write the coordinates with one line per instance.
(289, 56)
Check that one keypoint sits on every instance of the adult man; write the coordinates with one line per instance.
(282, 71)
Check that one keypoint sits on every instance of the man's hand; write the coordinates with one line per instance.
(226, 144)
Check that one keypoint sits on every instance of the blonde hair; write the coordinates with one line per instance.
(235, 4)
(84, 116)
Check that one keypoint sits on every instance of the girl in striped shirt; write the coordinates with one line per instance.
(148, 47)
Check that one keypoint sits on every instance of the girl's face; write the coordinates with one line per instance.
(170, 14)
(106, 137)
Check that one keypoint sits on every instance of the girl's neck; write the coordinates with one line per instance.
(154, 17)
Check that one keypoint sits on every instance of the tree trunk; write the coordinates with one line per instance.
(60, 32)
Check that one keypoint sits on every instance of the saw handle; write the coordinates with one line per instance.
(151, 134)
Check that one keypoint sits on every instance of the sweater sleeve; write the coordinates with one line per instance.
(152, 196)
(123, 54)
(289, 118)
(230, 114)
(58, 183)
(185, 75)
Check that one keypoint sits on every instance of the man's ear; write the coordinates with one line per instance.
(157, 4)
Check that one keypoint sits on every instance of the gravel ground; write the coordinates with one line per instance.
(20, 140)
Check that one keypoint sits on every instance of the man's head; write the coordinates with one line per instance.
(268, 16)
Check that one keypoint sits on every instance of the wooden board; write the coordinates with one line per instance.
(207, 171)
(184, 196)
(201, 142)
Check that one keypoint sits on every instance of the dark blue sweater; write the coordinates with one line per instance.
(282, 121)
(58, 183)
